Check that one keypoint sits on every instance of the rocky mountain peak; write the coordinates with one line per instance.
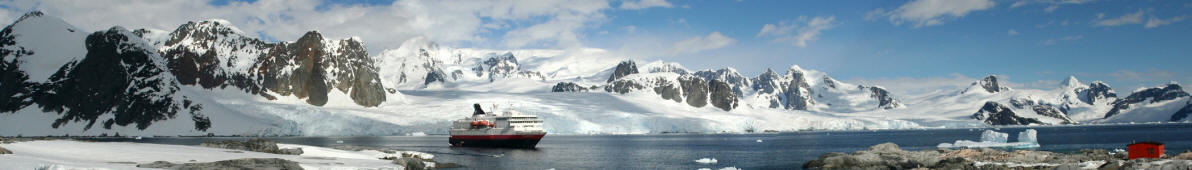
(729, 77)
(1096, 91)
(831, 83)
(767, 82)
(885, 99)
(1170, 91)
(203, 31)
(991, 84)
(33, 14)
(795, 70)
(623, 69)
(1070, 82)
(994, 113)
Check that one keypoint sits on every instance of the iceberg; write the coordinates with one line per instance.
(1028, 136)
(994, 136)
(706, 160)
(994, 139)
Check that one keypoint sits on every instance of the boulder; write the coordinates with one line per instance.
(410, 163)
(245, 163)
(255, 145)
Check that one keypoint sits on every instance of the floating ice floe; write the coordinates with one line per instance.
(993, 139)
(725, 168)
(706, 160)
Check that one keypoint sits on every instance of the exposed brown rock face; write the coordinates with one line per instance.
(212, 54)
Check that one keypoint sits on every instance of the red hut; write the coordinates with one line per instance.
(1145, 149)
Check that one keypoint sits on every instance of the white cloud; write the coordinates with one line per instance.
(643, 4)
(1012, 32)
(715, 40)
(546, 23)
(1053, 41)
(921, 13)
(798, 32)
(1132, 18)
(910, 86)
(1052, 4)
(1051, 8)
(1156, 22)
(630, 29)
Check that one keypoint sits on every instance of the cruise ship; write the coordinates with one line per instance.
(509, 129)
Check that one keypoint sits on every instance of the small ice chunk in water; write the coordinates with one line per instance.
(706, 160)
(993, 136)
(1028, 136)
(759, 141)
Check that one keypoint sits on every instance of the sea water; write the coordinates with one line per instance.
(680, 151)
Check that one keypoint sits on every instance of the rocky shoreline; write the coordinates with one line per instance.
(890, 156)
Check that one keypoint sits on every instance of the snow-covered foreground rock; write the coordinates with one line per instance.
(120, 155)
(890, 156)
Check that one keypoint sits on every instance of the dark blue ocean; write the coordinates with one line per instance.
(776, 151)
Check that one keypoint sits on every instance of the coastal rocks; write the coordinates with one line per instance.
(245, 163)
(255, 145)
(1147, 164)
(882, 156)
(407, 159)
(410, 163)
(993, 113)
(890, 156)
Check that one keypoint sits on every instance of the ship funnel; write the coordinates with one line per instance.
(478, 110)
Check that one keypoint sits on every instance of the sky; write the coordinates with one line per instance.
(908, 46)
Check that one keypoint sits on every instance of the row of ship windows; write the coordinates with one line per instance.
(532, 121)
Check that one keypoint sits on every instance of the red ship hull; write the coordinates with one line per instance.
(499, 141)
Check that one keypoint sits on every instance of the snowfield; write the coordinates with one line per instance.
(63, 154)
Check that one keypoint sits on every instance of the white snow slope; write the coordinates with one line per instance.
(61, 154)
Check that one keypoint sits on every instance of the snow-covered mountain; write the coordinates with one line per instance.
(209, 77)
(68, 77)
(727, 89)
(1164, 103)
(214, 54)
